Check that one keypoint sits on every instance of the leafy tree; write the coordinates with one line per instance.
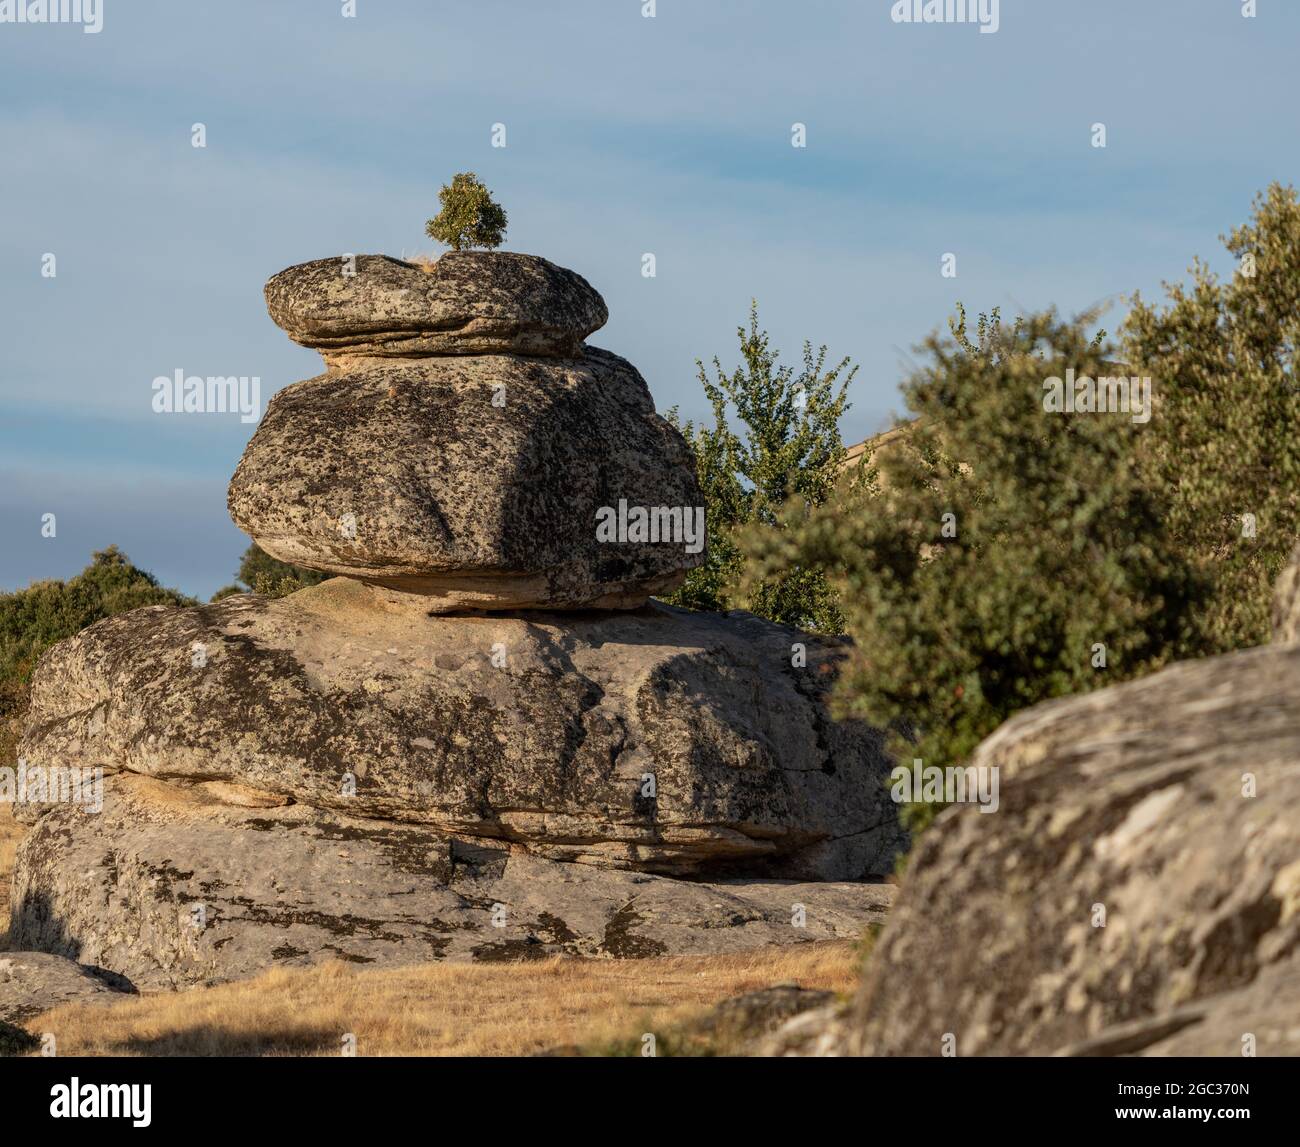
(470, 217)
(33, 619)
(1004, 551)
(784, 463)
(1222, 358)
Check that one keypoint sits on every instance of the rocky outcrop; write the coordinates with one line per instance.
(481, 741)
(1137, 892)
(173, 887)
(468, 302)
(660, 739)
(475, 481)
(34, 982)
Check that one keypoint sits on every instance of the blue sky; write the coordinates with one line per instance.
(624, 135)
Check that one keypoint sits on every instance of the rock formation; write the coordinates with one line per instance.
(33, 982)
(1136, 893)
(428, 757)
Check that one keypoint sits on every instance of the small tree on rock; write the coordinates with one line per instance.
(470, 217)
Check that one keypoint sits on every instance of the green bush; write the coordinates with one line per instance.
(1007, 555)
(266, 575)
(784, 463)
(33, 619)
(1223, 359)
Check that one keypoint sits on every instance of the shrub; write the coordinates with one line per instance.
(264, 574)
(785, 463)
(33, 619)
(1008, 555)
(1222, 359)
(470, 217)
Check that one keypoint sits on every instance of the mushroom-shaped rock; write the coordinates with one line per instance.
(467, 303)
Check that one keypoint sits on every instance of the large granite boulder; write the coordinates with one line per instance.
(170, 886)
(1137, 891)
(468, 302)
(658, 739)
(477, 481)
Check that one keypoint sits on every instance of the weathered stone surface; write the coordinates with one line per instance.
(737, 1025)
(1173, 804)
(1286, 601)
(34, 982)
(825, 1031)
(407, 474)
(469, 302)
(551, 748)
(169, 887)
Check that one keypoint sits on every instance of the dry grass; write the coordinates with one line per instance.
(11, 832)
(425, 261)
(438, 1009)
(13, 703)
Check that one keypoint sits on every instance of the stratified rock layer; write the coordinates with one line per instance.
(474, 481)
(1137, 892)
(169, 887)
(469, 302)
(659, 739)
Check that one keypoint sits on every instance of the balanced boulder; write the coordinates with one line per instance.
(468, 302)
(476, 481)
(465, 444)
(482, 741)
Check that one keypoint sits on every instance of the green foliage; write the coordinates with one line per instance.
(470, 217)
(267, 575)
(785, 464)
(1053, 547)
(269, 586)
(33, 619)
(1222, 357)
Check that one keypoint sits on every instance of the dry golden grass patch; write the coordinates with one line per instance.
(438, 1009)
(11, 832)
